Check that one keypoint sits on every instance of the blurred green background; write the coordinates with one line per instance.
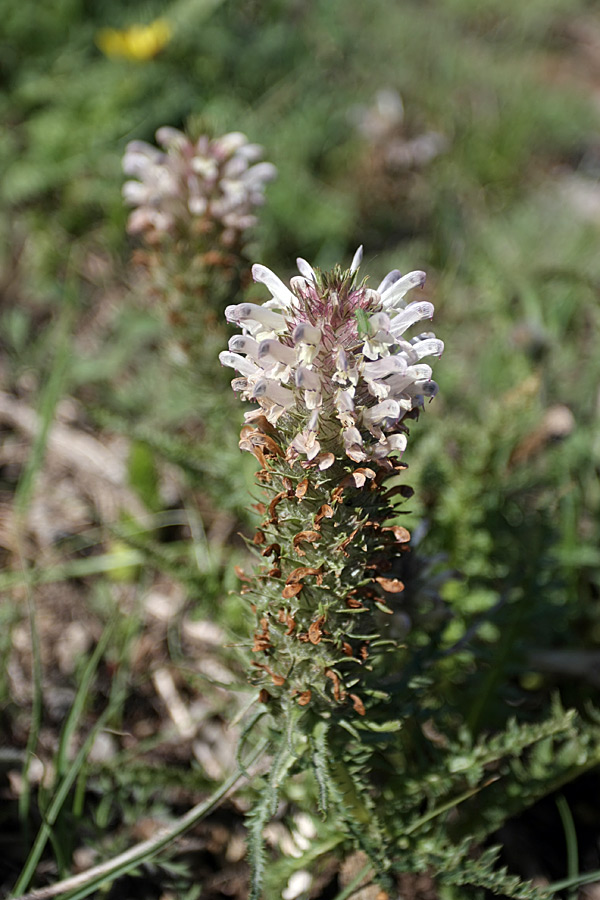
(485, 174)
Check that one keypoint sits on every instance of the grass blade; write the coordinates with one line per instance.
(79, 886)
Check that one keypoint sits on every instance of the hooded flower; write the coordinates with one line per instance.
(220, 180)
(328, 360)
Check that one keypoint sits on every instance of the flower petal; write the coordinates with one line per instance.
(396, 291)
(278, 289)
(356, 259)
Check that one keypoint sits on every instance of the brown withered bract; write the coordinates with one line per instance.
(338, 694)
(291, 590)
(400, 490)
(309, 537)
(264, 425)
(391, 585)
(272, 550)
(272, 514)
(241, 574)
(286, 618)
(323, 461)
(357, 703)
(347, 541)
(325, 512)
(401, 534)
(315, 632)
(302, 571)
(278, 680)
(301, 488)
(337, 495)
(358, 478)
(262, 640)
(260, 444)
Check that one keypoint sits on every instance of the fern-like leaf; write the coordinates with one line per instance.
(264, 810)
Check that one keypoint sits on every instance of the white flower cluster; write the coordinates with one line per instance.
(329, 359)
(220, 180)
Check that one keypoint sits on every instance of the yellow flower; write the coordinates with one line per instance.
(139, 42)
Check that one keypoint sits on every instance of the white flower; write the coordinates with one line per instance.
(327, 361)
(299, 883)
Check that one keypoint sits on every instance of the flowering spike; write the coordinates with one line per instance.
(334, 381)
(340, 351)
(218, 179)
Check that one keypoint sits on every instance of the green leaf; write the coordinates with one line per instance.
(143, 475)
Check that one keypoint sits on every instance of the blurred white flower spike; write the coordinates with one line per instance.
(208, 181)
(328, 363)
